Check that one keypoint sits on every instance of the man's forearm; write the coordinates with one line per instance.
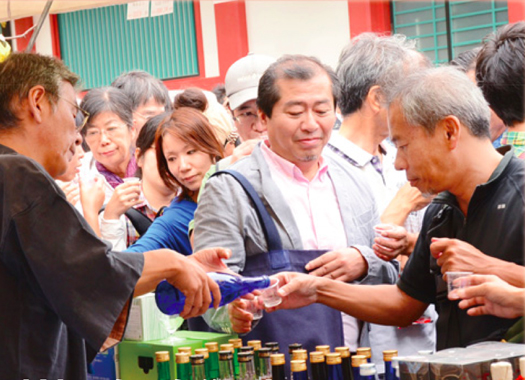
(382, 304)
(158, 265)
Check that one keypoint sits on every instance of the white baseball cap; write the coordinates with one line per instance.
(242, 78)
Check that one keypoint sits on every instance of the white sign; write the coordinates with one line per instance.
(162, 7)
(138, 9)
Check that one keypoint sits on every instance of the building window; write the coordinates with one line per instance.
(446, 28)
(100, 44)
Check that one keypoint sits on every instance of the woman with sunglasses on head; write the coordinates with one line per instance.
(186, 147)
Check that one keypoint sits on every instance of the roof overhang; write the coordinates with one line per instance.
(15, 9)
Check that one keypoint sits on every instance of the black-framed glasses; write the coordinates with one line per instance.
(82, 115)
(246, 117)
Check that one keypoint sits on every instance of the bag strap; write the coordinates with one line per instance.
(270, 230)
(139, 221)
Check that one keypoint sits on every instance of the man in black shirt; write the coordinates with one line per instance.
(64, 294)
(439, 122)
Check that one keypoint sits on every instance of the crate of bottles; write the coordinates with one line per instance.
(137, 359)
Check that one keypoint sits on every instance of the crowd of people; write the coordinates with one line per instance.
(358, 189)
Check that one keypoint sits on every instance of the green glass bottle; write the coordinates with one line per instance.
(294, 346)
(237, 344)
(265, 367)
(213, 350)
(256, 344)
(226, 365)
(182, 360)
(274, 346)
(246, 366)
(207, 365)
(197, 367)
(163, 365)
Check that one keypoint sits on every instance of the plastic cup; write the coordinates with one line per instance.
(269, 296)
(132, 179)
(252, 308)
(379, 228)
(453, 283)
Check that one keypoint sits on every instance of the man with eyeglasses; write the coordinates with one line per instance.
(241, 82)
(65, 294)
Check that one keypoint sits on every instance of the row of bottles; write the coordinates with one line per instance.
(232, 361)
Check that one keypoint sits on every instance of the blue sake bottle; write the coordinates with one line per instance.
(333, 364)
(170, 300)
(390, 372)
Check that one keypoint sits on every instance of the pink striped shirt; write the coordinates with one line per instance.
(313, 203)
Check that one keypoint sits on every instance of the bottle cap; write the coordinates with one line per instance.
(316, 357)
(357, 360)
(299, 355)
(182, 357)
(225, 355)
(246, 349)
(298, 365)
(277, 359)
(244, 357)
(227, 347)
(368, 369)
(501, 371)
(197, 359)
(212, 346)
(273, 345)
(366, 351)
(323, 348)
(294, 346)
(264, 352)
(256, 344)
(388, 355)
(344, 351)
(237, 343)
(333, 358)
(187, 350)
(162, 356)
(425, 352)
(203, 352)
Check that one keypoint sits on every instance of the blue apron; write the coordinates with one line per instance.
(311, 325)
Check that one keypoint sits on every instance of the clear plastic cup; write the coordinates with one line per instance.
(453, 281)
(269, 296)
(252, 308)
(379, 228)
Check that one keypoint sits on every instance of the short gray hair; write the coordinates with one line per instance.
(428, 96)
(370, 60)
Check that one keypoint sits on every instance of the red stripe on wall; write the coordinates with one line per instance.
(55, 36)
(516, 10)
(232, 44)
(369, 16)
(21, 26)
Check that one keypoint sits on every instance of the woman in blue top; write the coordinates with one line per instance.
(186, 147)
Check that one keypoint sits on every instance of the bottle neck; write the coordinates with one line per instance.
(184, 371)
(198, 372)
(163, 371)
(226, 370)
(246, 371)
(278, 372)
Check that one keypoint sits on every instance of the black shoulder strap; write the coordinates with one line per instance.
(139, 221)
(270, 231)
